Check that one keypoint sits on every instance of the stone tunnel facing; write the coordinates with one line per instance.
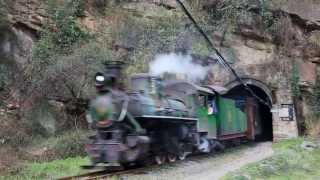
(262, 115)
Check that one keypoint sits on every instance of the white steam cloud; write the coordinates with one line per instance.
(178, 64)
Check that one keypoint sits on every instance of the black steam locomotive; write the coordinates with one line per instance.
(158, 119)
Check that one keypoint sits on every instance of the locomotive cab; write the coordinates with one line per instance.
(207, 112)
(145, 83)
(147, 98)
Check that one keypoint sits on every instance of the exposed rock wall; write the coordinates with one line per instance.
(25, 20)
(306, 10)
(269, 56)
(264, 53)
(28, 13)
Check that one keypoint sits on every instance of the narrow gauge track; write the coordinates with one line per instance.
(104, 174)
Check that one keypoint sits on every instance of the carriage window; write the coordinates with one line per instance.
(212, 106)
(139, 84)
(202, 100)
(241, 104)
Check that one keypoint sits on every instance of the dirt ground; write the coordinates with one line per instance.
(8, 158)
(208, 167)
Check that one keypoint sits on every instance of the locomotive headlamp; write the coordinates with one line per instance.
(100, 78)
(104, 80)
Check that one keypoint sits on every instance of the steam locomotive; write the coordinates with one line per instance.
(160, 119)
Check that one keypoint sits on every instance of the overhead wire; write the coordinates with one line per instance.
(221, 59)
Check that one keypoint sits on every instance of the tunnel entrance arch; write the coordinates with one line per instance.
(263, 120)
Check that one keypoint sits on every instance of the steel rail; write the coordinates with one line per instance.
(85, 175)
(103, 174)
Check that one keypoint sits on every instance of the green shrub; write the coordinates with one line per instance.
(13, 131)
(69, 80)
(68, 32)
(77, 7)
(70, 145)
(146, 38)
(71, 75)
(61, 32)
(312, 121)
(43, 51)
(315, 101)
(5, 77)
(3, 15)
(101, 5)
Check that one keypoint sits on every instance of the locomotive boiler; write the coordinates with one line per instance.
(162, 120)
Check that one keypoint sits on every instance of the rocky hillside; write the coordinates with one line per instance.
(50, 49)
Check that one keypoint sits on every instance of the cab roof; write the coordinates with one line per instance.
(185, 87)
(217, 88)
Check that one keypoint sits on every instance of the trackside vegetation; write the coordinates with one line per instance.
(49, 170)
(289, 162)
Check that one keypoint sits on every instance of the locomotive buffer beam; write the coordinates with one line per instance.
(168, 118)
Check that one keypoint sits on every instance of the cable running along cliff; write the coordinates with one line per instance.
(221, 59)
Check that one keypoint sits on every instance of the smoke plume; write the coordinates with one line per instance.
(178, 64)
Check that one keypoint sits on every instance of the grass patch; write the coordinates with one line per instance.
(66, 145)
(288, 144)
(289, 162)
(49, 170)
(49, 158)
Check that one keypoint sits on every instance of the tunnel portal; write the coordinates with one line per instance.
(263, 128)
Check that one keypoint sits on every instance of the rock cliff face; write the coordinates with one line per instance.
(25, 19)
(262, 41)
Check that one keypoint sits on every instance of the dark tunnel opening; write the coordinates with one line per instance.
(262, 115)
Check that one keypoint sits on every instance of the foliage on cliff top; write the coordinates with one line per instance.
(143, 38)
(312, 122)
(61, 31)
(64, 61)
(60, 36)
(316, 96)
(3, 15)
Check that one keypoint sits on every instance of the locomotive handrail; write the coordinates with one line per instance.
(124, 109)
(169, 117)
(107, 143)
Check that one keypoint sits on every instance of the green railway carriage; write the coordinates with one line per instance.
(221, 118)
(218, 117)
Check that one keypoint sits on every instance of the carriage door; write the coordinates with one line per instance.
(203, 113)
(250, 110)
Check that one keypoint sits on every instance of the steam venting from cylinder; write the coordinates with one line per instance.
(180, 65)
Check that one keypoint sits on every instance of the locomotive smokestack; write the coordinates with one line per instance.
(114, 69)
(174, 76)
